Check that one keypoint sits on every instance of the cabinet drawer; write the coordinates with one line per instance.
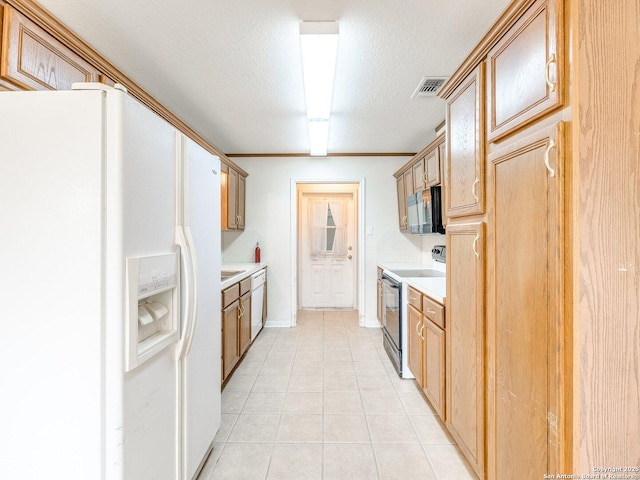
(415, 299)
(433, 311)
(245, 285)
(230, 295)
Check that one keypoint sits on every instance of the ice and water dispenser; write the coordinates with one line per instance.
(152, 306)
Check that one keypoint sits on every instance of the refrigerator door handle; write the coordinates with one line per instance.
(194, 305)
(187, 285)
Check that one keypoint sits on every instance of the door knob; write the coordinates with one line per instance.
(349, 257)
(350, 248)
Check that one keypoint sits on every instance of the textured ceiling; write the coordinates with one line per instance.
(231, 69)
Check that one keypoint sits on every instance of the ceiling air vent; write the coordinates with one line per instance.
(429, 86)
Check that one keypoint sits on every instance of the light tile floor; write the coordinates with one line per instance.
(322, 401)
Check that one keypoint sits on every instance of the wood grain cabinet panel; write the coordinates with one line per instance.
(404, 188)
(527, 309)
(432, 169)
(233, 197)
(34, 60)
(419, 175)
(230, 352)
(465, 340)
(244, 323)
(465, 149)
(402, 203)
(524, 74)
(433, 366)
(415, 341)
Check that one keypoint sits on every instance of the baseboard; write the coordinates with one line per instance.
(368, 323)
(278, 323)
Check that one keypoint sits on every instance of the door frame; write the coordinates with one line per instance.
(293, 239)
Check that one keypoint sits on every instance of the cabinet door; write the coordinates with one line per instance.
(527, 314)
(244, 323)
(402, 203)
(230, 355)
(34, 60)
(432, 169)
(525, 69)
(264, 302)
(418, 172)
(433, 366)
(465, 165)
(415, 343)
(379, 302)
(464, 339)
(241, 201)
(232, 199)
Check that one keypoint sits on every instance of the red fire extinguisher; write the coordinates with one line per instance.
(257, 253)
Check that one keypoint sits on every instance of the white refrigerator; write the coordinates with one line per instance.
(103, 319)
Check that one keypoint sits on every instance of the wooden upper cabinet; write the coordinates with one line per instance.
(233, 194)
(432, 169)
(426, 171)
(525, 70)
(33, 60)
(404, 188)
(402, 203)
(465, 157)
(418, 171)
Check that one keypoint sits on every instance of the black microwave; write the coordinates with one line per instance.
(424, 211)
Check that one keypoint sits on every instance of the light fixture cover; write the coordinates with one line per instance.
(319, 44)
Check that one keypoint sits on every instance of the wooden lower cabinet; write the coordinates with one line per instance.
(379, 297)
(426, 345)
(465, 340)
(415, 344)
(230, 352)
(527, 414)
(433, 366)
(244, 322)
(236, 324)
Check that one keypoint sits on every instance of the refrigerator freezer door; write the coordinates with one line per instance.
(200, 366)
(141, 419)
(51, 348)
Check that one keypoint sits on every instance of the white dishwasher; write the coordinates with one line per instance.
(258, 280)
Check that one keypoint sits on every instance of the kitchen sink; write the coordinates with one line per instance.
(226, 274)
(419, 272)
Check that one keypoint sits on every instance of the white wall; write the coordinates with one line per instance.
(268, 221)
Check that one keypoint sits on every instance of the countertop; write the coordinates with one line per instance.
(245, 269)
(434, 287)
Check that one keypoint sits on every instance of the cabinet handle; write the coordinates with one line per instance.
(425, 175)
(473, 189)
(552, 59)
(475, 243)
(432, 312)
(420, 332)
(240, 310)
(552, 172)
(404, 220)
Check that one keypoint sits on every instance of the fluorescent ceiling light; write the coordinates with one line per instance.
(318, 136)
(319, 43)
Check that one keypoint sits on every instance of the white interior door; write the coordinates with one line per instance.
(327, 245)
